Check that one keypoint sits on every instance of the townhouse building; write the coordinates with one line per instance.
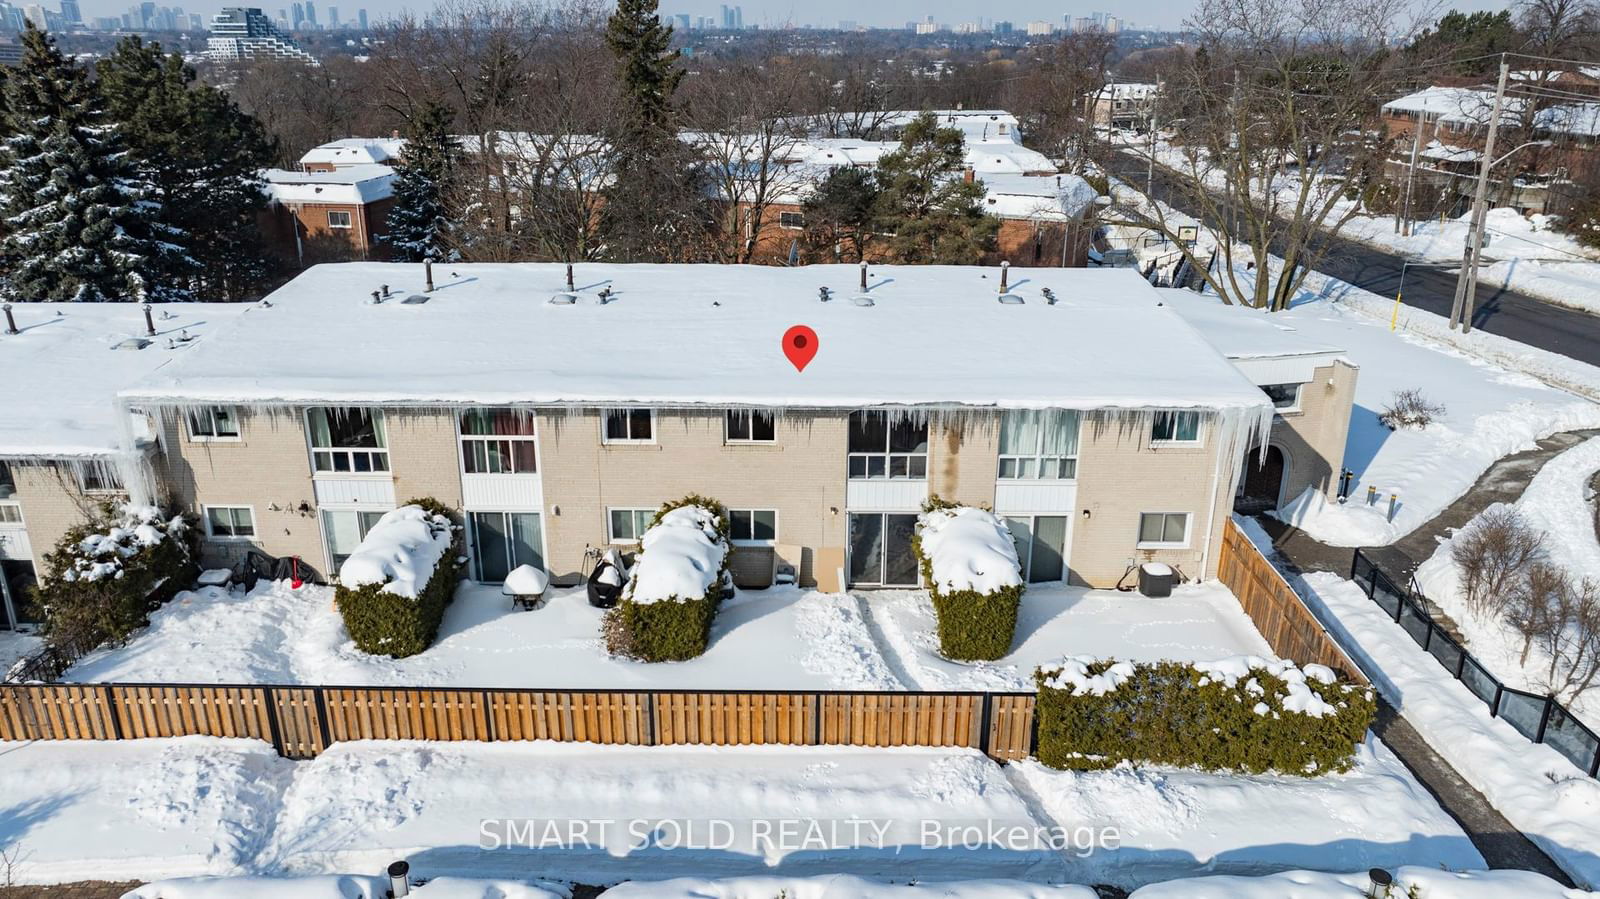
(1078, 403)
(329, 214)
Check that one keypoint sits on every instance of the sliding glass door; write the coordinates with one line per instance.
(1041, 546)
(880, 549)
(502, 541)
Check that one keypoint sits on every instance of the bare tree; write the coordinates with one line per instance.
(1573, 641)
(1533, 606)
(1493, 552)
(1054, 100)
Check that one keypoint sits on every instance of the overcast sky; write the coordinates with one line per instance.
(825, 13)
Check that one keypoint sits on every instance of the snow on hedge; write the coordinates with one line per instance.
(680, 557)
(969, 549)
(400, 552)
(1074, 674)
(100, 556)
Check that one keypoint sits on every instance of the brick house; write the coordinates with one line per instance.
(328, 215)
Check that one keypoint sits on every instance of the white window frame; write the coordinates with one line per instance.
(1199, 429)
(888, 456)
(799, 227)
(86, 487)
(466, 440)
(205, 516)
(630, 440)
(349, 452)
(12, 509)
(1188, 525)
(349, 220)
(727, 429)
(210, 413)
(1299, 392)
(1038, 457)
(776, 532)
(642, 524)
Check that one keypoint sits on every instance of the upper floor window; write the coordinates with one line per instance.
(8, 483)
(497, 441)
(630, 426)
(750, 426)
(1039, 445)
(1176, 427)
(881, 449)
(98, 478)
(213, 423)
(1285, 397)
(794, 220)
(338, 219)
(348, 440)
(10, 513)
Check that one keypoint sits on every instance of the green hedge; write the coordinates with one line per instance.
(387, 624)
(102, 579)
(676, 629)
(972, 626)
(1172, 713)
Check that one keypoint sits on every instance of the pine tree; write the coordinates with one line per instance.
(79, 224)
(419, 222)
(935, 214)
(202, 156)
(841, 214)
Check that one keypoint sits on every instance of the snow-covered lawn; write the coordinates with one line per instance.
(196, 805)
(1555, 503)
(1536, 788)
(14, 647)
(781, 638)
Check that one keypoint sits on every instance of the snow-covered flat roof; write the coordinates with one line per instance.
(1060, 197)
(687, 335)
(1240, 333)
(354, 151)
(63, 371)
(356, 184)
(1473, 106)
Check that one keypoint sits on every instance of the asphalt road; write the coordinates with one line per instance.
(1499, 311)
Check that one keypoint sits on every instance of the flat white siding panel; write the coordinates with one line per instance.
(350, 491)
(1283, 369)
(502, 491)
(14, 543)
(1036, 497)
(885, 495)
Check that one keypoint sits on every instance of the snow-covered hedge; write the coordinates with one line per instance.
(104, 577)
(675, 585)
(970, 565)
(1241, 714)
(394, 588)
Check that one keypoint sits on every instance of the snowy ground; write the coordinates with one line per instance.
(14, 647)
(1536, 788)
(1555, 503)
(153, 808)
(782, 638)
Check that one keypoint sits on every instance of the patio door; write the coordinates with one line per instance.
(880, 549)
(502, 541)
(1041, 546)
(343, 530)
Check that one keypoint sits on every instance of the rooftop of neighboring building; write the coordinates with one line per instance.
(1241, 333)
(351, 184)
(354, 151)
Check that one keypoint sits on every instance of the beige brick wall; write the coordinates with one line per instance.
(1120, 475)
(52, 502)
(1313, 439)
(423, 456)
(962, 459)
(802, 476)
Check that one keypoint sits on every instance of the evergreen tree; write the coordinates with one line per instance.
(79, 223)
(202, 157)
(935, 214)
(424, 173)
(841, 213)
(655, 206)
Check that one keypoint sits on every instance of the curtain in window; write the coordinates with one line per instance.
(321, 435)
(1060, 428)
(1019, 433)
(1052, 432)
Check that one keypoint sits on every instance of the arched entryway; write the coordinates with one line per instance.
(1262, 485)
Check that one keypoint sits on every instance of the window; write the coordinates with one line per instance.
(1285, 397)
(1176, 427)
(230, 522)
(338, 219)
(99, 478)
(628, 525)
(1039, 445)
(497, 441)
(214, 423)
(753, 525)
(8, 483)
(1158, 529)
(879, 449)
(348, 440)
(795, 220)
(10, 513)
(748, 426)
(630, 426)
(344, 529)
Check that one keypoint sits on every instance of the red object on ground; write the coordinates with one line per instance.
(296, 582)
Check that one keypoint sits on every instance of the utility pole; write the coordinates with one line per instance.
(1467, 281)
(1411, 176)
(1150, 172)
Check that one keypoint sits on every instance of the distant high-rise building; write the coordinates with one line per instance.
(246, 33)
(1036, 29)
(738, 18)
(70, 13)
(1003, 27)
(847, 24)
(333, 17)
(681, 21)
(311, 14)
(299, 15)
(1113, 25)
(361, 16)
(727, 16)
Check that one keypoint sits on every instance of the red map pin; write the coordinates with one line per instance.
(800, 345)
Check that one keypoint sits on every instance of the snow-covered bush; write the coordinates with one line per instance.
(104, 577)
(1410, 409)
(394, 588)
(675, 585)
(1242, 714)
(970, 565)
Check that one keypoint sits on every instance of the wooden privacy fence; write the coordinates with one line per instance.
(302, 721)
(1289, 627)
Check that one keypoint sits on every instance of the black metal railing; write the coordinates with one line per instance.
(1539, 718)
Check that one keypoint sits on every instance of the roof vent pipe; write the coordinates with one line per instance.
(569, 276)
(11, 322)
(376, 298)
(427, 272)
(386, 291)
(863, 275)
(823, 292)
(1005, 270)
(149, 323)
